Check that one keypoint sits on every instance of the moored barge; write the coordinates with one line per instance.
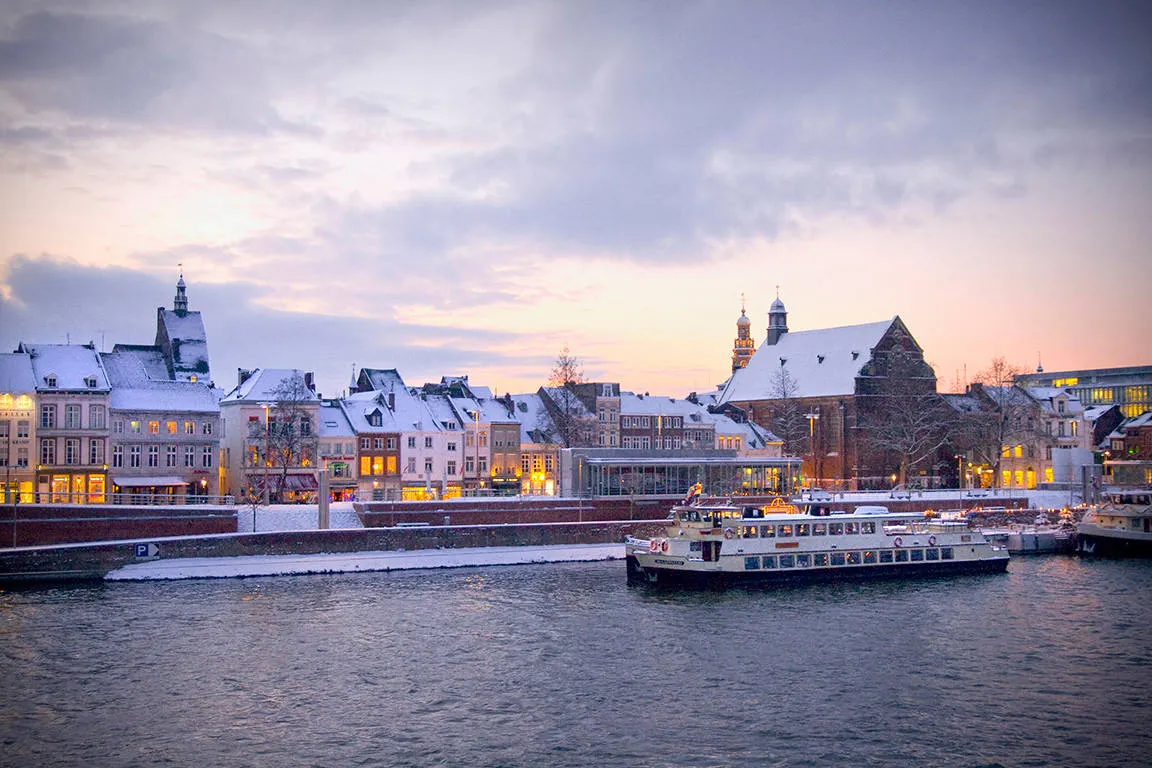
(729, 545)
(1120, 527)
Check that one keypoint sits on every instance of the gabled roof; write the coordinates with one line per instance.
(185, 332)
(150, 357)
(261, 386)
(133, 389)
(72, 365)
(16, 374)
(536, 425)
(573, 404)
(822, 362)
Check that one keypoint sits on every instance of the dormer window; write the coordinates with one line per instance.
(375, 419)
(90, 382)
(50, 380)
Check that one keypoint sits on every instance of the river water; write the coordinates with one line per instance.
(1049, 664)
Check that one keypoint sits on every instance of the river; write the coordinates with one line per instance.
(566, 665)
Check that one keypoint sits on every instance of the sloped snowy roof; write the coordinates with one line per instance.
(133, 389)
(150, 357)
(1094, 412)
(185, 331)
(961, 403)
(16, 374)
(332, 422)
(536, 425)
(821, 362)
(575, 405)
(71, 364)
(359, 408)
(261, 386)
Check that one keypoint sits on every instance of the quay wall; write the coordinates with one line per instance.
(29, 525)
(93, 560)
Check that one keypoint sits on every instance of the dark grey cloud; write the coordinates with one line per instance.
(58, 300)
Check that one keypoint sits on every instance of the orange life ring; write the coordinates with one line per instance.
(664, 546)
(653, 545)
(729, 533)
(897, 542)
(931, 541)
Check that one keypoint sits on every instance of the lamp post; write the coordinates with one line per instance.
(267, 451)
(812, 417)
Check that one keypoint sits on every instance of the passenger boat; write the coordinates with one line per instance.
(1122, 526)
(728, 545)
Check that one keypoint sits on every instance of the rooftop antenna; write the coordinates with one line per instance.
(1039, 365)
(741, 302)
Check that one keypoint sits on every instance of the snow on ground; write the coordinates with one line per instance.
(295, 517)
(351, 562)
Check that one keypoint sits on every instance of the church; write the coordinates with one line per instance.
(816, 389)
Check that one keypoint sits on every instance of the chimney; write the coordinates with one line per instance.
(309, 380)
(391, 401)
(242, 375)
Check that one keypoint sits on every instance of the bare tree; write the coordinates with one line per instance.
(290, 435)
(786, 415)
(569, 410)
(1009, 418)
(904, 418)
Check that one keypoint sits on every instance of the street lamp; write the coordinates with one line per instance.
(813, 417)
(267, 451)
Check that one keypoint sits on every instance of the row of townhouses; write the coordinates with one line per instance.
(147, 423)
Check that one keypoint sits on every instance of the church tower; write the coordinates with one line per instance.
(744, 346)
(180, 305)
(777, 320)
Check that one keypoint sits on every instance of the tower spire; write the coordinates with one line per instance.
(743, 346)
(181, 302)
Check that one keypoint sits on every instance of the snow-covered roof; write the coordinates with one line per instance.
(16, 374)
(1094, 412)
(332, 422)
(150, 357)
(822, 362)
(360, 407)
(263, 384)
(536, 425)
(133, 389)
(961, 403)
(567, 400)
(185, 331)
(75, 366)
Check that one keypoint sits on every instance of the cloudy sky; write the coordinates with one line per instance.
(465, 188)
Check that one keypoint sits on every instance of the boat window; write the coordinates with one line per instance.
(768, 531)
(784, 531)
(931, 554)
(901, 555)
(835, 529)
(748, 532)
(694, 546)
(917, 555)
(837, 558)
(769, 561)
(787, 561)
(885, 555)
(869, 557)
(820, 529)
(752, 563)
(868, 527)
(804, 561)
(853, 558)
(802, 529)
(851, 529)
(820, 558)
(945, 553)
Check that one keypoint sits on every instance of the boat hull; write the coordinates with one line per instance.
(657, 576)
(1099, 543)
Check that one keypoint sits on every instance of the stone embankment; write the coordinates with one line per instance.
(95, 559)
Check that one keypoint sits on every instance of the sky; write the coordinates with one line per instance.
(469, 187)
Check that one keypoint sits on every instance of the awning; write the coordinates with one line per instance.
(292, 483)
(147, 482)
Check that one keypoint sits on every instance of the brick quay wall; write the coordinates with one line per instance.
(93, 560)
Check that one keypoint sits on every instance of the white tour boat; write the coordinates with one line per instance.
(725, 544)
(1121, 526)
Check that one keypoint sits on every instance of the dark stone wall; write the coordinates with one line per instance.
(92, 561)
(27, 525)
